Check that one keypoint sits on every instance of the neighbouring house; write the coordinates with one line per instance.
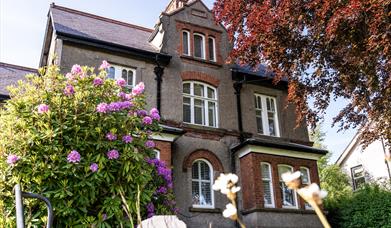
(216, 117)
(365, 164)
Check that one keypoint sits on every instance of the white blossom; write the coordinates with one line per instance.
(312, 192)
(230, 210)
(235, 189)
(289, 177)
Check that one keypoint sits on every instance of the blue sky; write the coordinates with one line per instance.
(22, 27)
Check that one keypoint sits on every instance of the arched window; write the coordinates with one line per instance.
(111, 72)
(128, 74)
(157, 153)
(201, 184)
(288, 196)
(200, 104)
(186, 42)
(267, 183)
(212, 49)
(199, 45)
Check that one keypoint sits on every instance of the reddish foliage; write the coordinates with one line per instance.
(326, 48)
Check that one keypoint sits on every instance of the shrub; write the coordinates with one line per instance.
(82, 140)
(367, 207)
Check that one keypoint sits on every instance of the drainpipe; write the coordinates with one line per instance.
(385, 153)
(159, 71)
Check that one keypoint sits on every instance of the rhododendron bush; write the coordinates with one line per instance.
(83, 141)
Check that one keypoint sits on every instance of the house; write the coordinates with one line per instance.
(216, 117)
(365, 164)
(9, 75)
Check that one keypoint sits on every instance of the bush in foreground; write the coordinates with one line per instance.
(82, 140)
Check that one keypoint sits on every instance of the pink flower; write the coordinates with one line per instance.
(147, 120)
(111, 137)
(43, 108)
(69, 76)
(121, 82)
(113, 154)
(149, 144)
(94, 167)
(69, 90)
(76, 69)
(102, 108)
(138, 89)
(12, 159)
(104, 65)
(155, 116)
(97, 81)
(73, 157)
(127, 139)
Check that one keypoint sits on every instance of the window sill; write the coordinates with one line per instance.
(278, 210)
(204, 210)
(191, 58)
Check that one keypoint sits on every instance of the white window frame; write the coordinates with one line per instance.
(355, 178)
(307, 170)
(203, 54)
(214, 49)
(205, 101)
(188, 43)
(157, 153)
(264, 114)
(294, 191)
(203, 181)
(118, 73)
(272, 205)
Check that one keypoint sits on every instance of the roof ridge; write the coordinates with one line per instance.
(101, 18)
(2, 64)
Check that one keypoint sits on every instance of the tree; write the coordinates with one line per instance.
(326, 49)
(83, 141)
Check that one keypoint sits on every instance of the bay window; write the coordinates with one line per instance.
(288, 196)
(267, 184)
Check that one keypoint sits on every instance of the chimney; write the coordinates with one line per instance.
(175, 4)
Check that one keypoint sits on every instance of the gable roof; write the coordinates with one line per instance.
(85, 25)
(349, 149)
(9, 75)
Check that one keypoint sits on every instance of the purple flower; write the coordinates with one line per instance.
(102, 108)
(153, 110)
(121, 82)
(69, 90)
(76, 69)
(97, 81)
(122, 95)
(170, 185)
(114, 106)
(127, 139)
(141, 113)
(149, 144)
(104, 216)
(161, 190)
(73, 157)
(155, 116)
(111, 137)
(94, 167)
(104, 65)
(147, 120)
(43, 108)
(12, 159)
(138, 89)
(150, 210)
(113, 154)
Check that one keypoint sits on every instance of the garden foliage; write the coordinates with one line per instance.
(82, 140)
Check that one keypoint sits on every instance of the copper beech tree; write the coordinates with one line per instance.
(327, 49)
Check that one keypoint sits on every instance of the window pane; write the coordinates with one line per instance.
(205, 171)
(206, 194)
(268, 105)
(305, 178)
(259, 125)
(186, 88)
(271, 122)
(211, 49)
(265, 171)
(125, 75)
(198, 90)
(212, 114)
(186, 110)
(287, 194)
(198, 46)
(195, 192)
(267, 195)
(194, 172)
(111, 73)
(198, 111)
(283, 169)
(130, 78)
(185, 43)
(211, 93)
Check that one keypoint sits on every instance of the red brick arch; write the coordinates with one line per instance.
(199, 76)
(202, 154)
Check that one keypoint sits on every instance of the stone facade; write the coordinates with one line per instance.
(211, 144)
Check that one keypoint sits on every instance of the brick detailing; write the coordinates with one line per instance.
(199, 76)
(205, 154)
(251, 178)
(207, 32)
(165, 151)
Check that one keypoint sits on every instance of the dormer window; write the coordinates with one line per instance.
(212, 49)
(199, 46)
(266, 115)
(186, 42)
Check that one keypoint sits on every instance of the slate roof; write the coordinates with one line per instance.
(260, 71)
(10, 74)
(84, 25)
